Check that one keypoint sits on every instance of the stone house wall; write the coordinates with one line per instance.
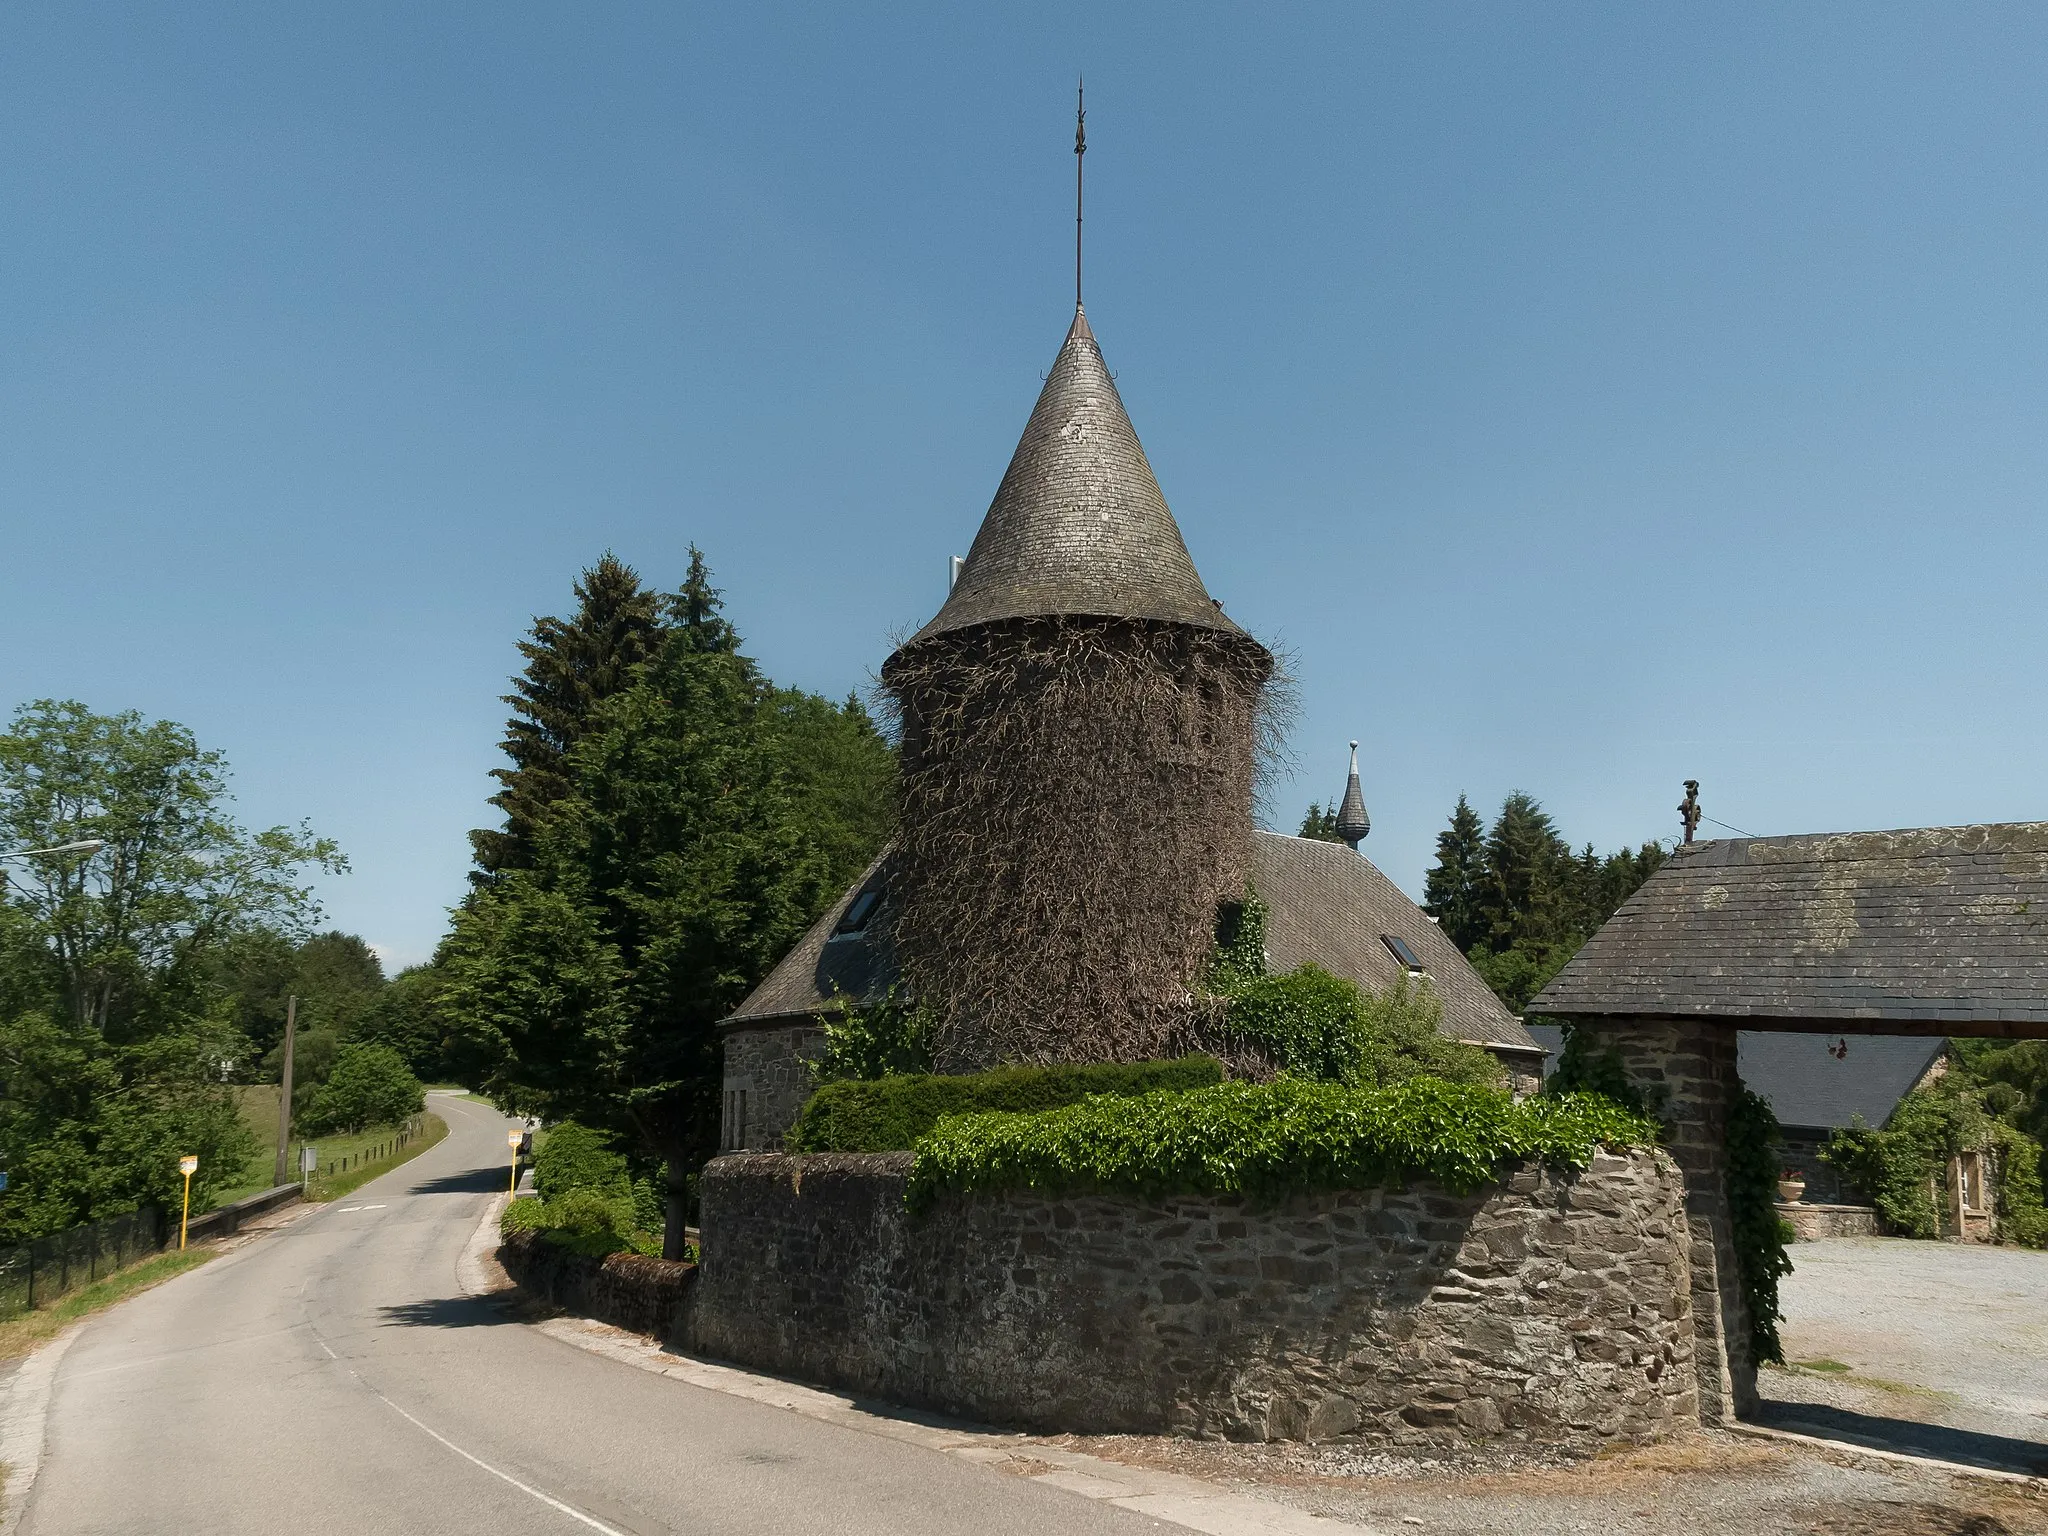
(1550, 1308)
(767, 1078)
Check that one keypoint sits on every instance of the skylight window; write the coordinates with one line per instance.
(858, 912)
(1398, 948)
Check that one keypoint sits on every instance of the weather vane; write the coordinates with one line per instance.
(1689, 808)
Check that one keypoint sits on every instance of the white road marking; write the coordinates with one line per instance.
(531, 1492)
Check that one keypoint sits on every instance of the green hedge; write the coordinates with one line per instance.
(889, 1114)
(1268, 1140)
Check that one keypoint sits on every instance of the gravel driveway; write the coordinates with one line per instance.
(1947, 1334)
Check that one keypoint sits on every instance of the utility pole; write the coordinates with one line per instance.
(284, 1103)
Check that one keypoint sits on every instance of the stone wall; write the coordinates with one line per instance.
(767, 1079)
(1685, 1071)
(626, 1290)
(1551, 1308)
(1814, 1221)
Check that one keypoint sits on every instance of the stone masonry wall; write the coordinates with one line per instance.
(767, 1078)
(1685, 1070)
(638, 1294)
(1551, 1308)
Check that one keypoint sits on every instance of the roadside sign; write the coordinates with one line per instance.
(309, 1159)
(3, 1178)
(188, 1166)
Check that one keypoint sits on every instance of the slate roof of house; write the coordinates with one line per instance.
(1811, 1089)
(1078, 525)
(1932, 927)
(1325, 904)
(1808, 1086)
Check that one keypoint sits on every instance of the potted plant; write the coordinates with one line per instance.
(1791, 1185)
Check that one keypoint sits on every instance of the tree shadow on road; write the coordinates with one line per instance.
(447, 1312)
(470, 1181)
(1972, 1448)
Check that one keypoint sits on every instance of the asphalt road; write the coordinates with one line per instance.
(333, 1378)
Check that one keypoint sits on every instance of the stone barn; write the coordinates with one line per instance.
(1933, 933)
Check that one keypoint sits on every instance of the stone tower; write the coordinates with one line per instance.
(1078, 750)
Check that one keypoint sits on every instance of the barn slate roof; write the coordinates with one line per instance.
(1078, 525)
(1808, 1086)
(1940, 928)
(1326, 905)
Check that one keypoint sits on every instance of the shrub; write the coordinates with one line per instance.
(1267, 1140)
(891, 1113)
(576, 1157)
(1315, 1024)
(369, 1085)
(887, 1038)
(585, 1221)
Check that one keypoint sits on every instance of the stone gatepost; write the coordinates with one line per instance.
(1685, 1071)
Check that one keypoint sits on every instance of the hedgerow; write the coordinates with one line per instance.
(1267, 1140)
(889, 1114)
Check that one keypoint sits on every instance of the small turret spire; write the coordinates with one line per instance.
(1352, 822)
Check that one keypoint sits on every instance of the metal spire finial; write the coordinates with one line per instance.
(1080, 149)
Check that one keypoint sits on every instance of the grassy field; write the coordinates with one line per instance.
(345, 1161)
(24, 1333)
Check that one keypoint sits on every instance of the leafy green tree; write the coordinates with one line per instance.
(1452, 893)
(117, 1033)
(1319, 824)
(572, 667)
(368, 1085)
(676, 871)
(337, 979)
(135, 931)
(407, 1016)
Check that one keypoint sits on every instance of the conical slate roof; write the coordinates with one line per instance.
(1078, 525)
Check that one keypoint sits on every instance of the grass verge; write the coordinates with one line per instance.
(367, 1155)
(24, 1333)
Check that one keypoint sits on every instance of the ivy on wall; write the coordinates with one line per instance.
(1759, 1232)
(889, 1114)
(1903, 1169)
(1268, 1140)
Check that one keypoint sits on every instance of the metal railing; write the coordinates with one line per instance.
(37, 1273)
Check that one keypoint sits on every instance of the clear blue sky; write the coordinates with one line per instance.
(1593, 396)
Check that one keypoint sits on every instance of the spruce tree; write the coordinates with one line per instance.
(571, 668)
(1452, 893)
(686, 858)
(1320, 824)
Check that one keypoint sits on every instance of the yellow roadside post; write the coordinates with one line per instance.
(512, 1139)
(187, 1166)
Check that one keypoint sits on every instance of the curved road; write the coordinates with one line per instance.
(332, 1378)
